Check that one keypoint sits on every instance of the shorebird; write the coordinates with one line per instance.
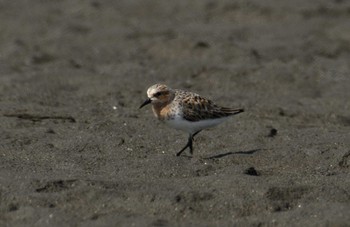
(186, 111)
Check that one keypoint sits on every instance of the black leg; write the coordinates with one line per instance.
(189, 144)
(196, 133)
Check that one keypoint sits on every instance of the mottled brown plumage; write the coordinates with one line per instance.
(197, 108)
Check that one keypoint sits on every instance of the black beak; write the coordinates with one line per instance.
(148, 101)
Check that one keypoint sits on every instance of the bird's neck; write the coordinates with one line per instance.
(162, 110)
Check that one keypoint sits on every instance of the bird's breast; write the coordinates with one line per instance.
(163, 112)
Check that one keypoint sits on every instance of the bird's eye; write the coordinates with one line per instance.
(157, 94)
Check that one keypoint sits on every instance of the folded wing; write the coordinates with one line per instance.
(196, 108)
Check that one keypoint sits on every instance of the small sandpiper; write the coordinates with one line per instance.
(186, 111)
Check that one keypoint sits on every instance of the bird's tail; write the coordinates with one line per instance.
(230, 111)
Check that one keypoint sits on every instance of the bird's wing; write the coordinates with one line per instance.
(196, 108)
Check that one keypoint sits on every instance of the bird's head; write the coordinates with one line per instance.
(158, 94)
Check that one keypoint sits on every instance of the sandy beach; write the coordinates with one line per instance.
(75, 150)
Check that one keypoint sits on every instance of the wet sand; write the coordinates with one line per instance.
(76, 150)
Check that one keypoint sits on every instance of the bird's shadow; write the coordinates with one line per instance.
(249, 152)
